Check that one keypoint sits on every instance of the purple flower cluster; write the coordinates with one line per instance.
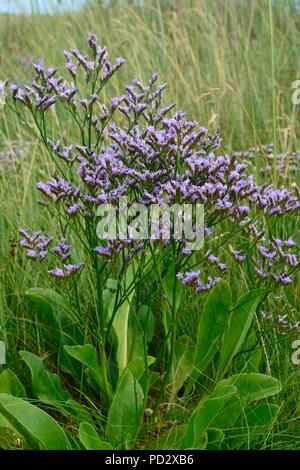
(283, 162)
(38, 247)
(275, 261)
(67, 271)
(214, 260)
(47, 87)
(238, 255)
(152, 159)
(281, 322)
(192, 278)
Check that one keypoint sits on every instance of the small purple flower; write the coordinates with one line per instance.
(283, 279)
(211, 282)
(213, 259)
(282, 320)
(265, 316)
(43, 254)
(74, 209)
(72, 69)
(104, 251)
(289, 243)
(36, 244)
(93, 41)
(66, 272)
(223, 267)
(71, 269)
(63, 250)
(57, 272)
(31, 254)
(186, 252)
(190, 277)
(265, 253)
(44, 188)
(261, 272)
(238, 255)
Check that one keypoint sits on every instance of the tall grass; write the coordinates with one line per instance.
(228, 63)
(217, 56)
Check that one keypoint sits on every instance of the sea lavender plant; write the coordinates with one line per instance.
(129, 147)
(284, 163)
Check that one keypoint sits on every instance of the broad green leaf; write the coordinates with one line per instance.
(293, 382)
(77, 411)
(137, 366)
(184, 352)
(107, 298)
(112, 284)
(169, 440)
(250, 355)
(227, 416)
(214, 438)
(255, 423)
(87, 355)
(147, 321)
(135, 337)
(10, 384)
(63, 325)
(141, 325)
(251, 387)
(211, 326)
(89, 438)
(173, 287)
(120, 325)
(200, 442)
(33, 422)
(56, 312)
(167, 323)
(121, 319)
(240, 320)
(262, 415)
(45, 385)
(125, 412)
(146, 381)
(292, 387)
(203, 416)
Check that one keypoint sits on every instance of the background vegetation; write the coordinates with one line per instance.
(228, 63)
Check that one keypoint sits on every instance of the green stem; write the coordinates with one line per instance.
(171, 359)
(102, 343)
